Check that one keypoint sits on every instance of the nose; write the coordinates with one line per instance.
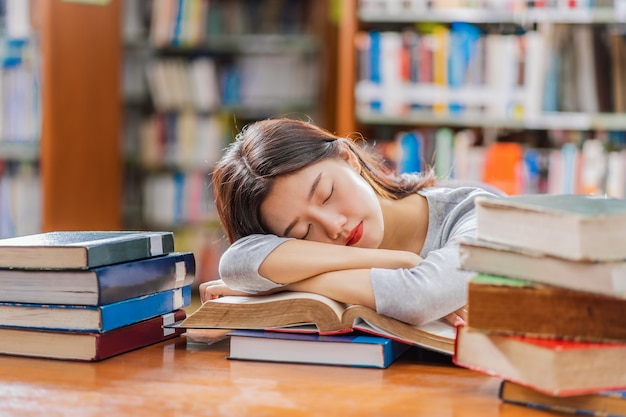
(333, 224)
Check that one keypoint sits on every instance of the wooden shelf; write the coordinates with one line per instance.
(19, 151)
(602, 15)
(80, 144)
(247, 44)
(556, 121)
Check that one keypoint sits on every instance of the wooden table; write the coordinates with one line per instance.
(178, 379)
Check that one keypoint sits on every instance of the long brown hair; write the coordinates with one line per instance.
(264, 150)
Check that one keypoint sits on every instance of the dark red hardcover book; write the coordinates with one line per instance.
(84, 346)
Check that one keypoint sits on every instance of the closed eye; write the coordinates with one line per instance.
(329, 195)
(308, 230)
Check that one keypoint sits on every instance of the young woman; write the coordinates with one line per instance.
(305, 210)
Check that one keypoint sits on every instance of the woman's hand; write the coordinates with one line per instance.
(211, 290)
(457, 317)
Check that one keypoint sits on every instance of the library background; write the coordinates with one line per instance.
(113, 112)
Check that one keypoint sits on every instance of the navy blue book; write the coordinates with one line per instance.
(98, 286)
(310, 348)
(93, 318)
(82, 249)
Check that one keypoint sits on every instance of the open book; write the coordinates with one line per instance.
(297, 311)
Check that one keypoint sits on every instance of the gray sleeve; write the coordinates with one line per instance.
(239, 264)
(433, 288)
(424, 293)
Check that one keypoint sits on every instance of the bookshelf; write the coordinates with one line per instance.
(486, 75)
(195, 72)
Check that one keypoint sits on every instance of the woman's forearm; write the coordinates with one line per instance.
(296, 260)
(348, 286)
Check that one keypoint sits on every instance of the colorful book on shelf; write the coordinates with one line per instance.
(410, 150)
(441, 39)
(88, 346)
(543, 310)
(552, 366)
(287, 311)
(444, 148)
(607, 278)
(502, 166)
(82, 249)
(101, 285)
(93, 318)
(346, 349)
(604, 403)
(375, 66)
(571, 226)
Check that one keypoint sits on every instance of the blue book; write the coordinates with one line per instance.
(101, 285)
(311, 348)
(93, 318)
(411, 152)
(604, 403)
(463, 40)
(375, 66)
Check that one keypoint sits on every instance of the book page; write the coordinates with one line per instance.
(269, 311)
(436, 335)
(336, 306)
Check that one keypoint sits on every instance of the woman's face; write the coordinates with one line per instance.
(325, 202)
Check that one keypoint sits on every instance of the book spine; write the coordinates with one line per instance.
(138, 335)
(135, 246)
(123, 313)
(133, 279)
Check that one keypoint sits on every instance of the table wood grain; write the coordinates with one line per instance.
(176, 378)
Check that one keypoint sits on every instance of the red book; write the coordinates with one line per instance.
(83, 346)
(552, 366)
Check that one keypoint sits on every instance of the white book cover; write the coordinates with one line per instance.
(205, 91)
(392, 100)
(18, 19)
(616, 174)
(534, 66)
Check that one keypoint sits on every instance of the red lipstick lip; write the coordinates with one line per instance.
(355, 235)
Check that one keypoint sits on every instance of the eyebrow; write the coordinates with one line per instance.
(316, 182)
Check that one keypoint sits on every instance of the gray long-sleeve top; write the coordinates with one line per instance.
(415, 295)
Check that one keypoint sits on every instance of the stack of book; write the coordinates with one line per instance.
(300, 327)
(90, 295)
(547, 307)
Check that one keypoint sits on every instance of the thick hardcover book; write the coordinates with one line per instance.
(552, 366)
(88, 346)
(82, 249)
(345, 349)
(98, 286)
(543, 310)
(578, 227)
(608, 278)
(604, 403)
(288, 310)
(93, 318)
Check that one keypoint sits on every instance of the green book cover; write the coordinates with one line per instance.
(488, 279)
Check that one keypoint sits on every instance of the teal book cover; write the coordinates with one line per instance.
(93, 318)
